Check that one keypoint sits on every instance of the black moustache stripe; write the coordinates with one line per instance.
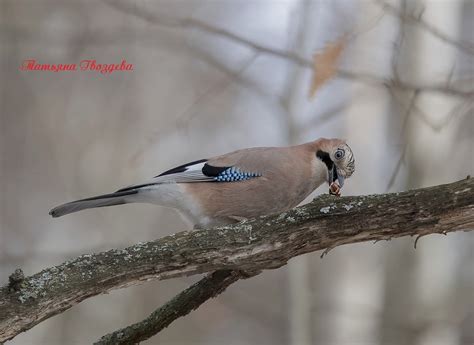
(324, 156)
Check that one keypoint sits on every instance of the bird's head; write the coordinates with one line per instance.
(338, 158)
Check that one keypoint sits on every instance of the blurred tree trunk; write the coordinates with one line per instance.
(369, 126)
(399, 300)
(463, 295)
(428, 140)
(412, 311)
(299, 315)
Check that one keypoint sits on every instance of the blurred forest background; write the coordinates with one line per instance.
(213, 76)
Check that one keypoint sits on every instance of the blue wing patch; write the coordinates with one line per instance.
(197, 171)
(228, 173)
(235, 174)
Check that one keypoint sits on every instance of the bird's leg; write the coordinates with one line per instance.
(335, 189)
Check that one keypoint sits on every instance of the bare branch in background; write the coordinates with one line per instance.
(264, 243)
(330, 114)
(408, 112)
(460, 109)
(183, 119)
(466, 47)
(192, 23)
(236, 76)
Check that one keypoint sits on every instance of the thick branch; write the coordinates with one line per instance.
(181, 305)
(264, 243)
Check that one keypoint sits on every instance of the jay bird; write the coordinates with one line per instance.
(238, 185)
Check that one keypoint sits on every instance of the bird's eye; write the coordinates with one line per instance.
(339, 154)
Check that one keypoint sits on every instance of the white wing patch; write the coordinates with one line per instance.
(191, 173)
(198, 171)
(184, 173)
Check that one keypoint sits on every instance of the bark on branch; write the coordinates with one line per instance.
(264, 243)
(181, 305)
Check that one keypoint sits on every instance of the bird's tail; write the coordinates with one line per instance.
(117, 198)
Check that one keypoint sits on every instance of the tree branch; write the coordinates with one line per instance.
(181, 305)
(264, 243)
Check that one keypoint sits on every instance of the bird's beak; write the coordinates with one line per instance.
(333, 176)
(340, 179)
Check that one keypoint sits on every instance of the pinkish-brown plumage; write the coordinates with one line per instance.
(288, 176)
(283, 177)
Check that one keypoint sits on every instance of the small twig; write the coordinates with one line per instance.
(417, 238)
(388, 238)
(326, 252)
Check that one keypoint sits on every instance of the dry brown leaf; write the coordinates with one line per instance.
(325, 64)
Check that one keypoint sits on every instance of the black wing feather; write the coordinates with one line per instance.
(208, 174)
(181, 168)
(212, 171)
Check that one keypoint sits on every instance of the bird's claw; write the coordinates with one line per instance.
(335, 189)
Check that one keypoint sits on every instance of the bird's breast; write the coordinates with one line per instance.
(271, 193)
